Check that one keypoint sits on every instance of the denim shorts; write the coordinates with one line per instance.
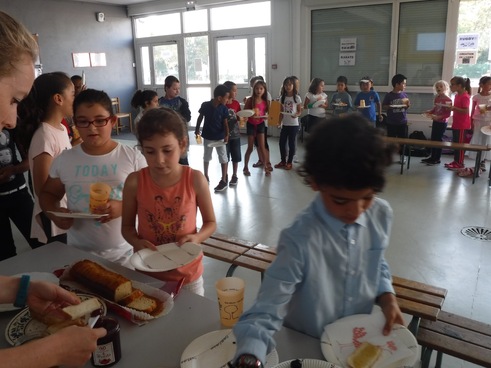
(233, 150)
(256, 129)
(221, 152)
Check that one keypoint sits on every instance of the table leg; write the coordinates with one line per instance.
(477, 166)
(402, 158)
(409, 157)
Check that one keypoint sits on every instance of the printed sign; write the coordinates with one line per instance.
(467, 41)
(466, 57)
(347, 58)
(347, 44)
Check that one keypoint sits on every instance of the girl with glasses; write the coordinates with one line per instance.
(98, 159)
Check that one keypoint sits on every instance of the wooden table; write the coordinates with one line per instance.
(434, 144)
(161, 342)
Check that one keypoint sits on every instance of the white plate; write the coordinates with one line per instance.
(399, 349)
(22, 324)
(318, 103)
(308, 363)
(168, 257)
(287, 113)
(217, 144)
(362, 107)
(35, 276)
(443, 105)
(78, 215)
(260, 117)
(340, 104)
(215, 349)
(486, 130)
(245, 113)
(398, 106)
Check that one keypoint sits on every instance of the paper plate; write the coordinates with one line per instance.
(318, 103)
(217, 144)
(245, 113)
(22, 324)
(486, 130)
(168, 257)
(340, 104)
(398, 106)
(399, 349)
(362, 107)
(215, 349)
(308, 363)
(78, 215)
(37, 276)
(443, 105)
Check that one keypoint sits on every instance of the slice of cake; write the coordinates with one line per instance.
(364, 356)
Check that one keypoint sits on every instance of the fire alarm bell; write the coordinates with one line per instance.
(100, 17)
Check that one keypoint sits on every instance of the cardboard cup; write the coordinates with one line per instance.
(99, 196)
(230, 293)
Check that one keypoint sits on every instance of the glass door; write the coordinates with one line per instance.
(238, 58)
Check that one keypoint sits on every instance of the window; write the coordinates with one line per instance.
(195, 21)
(158, 25)
(197, 60)
(241, 16)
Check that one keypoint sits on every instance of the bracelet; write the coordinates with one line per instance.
(21, 298)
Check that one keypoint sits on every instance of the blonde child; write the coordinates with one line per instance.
(165, 196)
(45, 137)
(97, 159)
(341, 101)
(291, 107)
(461, 120)
(481, 116)
(256, 127)
(315, 102)
(439, 114)
(144, 100)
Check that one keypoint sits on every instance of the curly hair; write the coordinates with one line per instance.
(346, 152)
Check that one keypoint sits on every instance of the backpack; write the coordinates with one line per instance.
(418, 151)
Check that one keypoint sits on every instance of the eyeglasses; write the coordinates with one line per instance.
(98, 123)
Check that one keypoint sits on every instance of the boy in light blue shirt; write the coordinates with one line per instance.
(330, 262)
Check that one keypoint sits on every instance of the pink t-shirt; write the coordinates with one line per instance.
(261, 106)
(165, 213)
(461, 120)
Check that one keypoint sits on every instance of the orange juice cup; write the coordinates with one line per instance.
(99, 196)
(230, 292)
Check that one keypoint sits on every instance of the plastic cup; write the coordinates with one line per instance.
(482, 109)
(230, 293)
(99, 196)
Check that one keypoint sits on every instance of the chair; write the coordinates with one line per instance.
(120, 115)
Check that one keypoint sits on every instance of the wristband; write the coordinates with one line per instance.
(21, 298)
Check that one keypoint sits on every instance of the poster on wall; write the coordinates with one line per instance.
(347, 58)
(466, 57)
(97, 59)
(81, 59)
(467, 41)
(347, 44)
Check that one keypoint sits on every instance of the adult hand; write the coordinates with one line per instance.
(391, 310)
(45, 297)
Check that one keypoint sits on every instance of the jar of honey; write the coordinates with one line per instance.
(108, 350)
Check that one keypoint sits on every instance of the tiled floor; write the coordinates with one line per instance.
(431, 206)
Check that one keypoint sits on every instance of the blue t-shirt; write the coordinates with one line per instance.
(341, 103)
(371, 99)
(396, 115)
(215, 120)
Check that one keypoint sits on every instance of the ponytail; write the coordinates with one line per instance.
(467, 85)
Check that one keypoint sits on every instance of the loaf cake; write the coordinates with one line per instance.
(364, 356)
(108, 284)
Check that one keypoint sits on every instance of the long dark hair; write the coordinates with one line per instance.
(33, 109)
(141, 98)
(464, 82)
(286, 81)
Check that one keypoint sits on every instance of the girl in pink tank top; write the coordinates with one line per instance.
(165, 196)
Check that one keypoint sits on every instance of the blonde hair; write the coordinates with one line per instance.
(15, 42)
(445, 85)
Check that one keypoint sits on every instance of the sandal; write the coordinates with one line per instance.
(269, 167)
(267, 172)
(246, 172)
(468, 172)
(258, 164)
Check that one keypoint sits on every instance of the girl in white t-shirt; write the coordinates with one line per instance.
(315, 102)
(481, 116)
(49, 101)
(291, 107)
(97, 159)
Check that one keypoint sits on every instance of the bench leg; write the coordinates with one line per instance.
(414, 325)
(231, 270)
(477, 166)
(439, 358)
(426, 357)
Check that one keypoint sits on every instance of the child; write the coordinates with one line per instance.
(341, 101)
(439, 114)
(50, 100)
(215, 129)
(461, 119)
(291, 107)
(173, 101)
(481, 117)
(233, 145)
(330, 262)
(316, 103)
(144, 100)
(371, 106)
(97, 159)
(165, 196)
(396, 103)
(256, 127)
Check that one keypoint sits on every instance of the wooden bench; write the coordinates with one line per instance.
(434, 144)
(420, 300)
(457, 336)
